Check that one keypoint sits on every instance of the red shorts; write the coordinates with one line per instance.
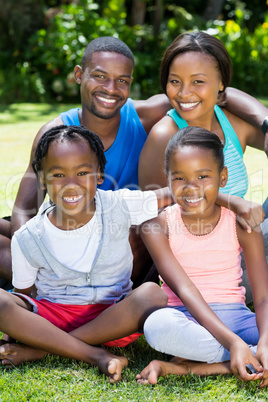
(69, 317)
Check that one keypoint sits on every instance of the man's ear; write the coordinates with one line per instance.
(223, 176)
(41, 181)
(78, 74)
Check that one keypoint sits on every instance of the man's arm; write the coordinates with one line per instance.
(29, 197)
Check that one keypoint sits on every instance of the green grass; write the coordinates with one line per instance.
(57, 379)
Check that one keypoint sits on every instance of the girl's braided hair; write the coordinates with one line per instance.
(69, 133)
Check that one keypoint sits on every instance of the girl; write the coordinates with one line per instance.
(77, 254)
(195, 72)
(195, 245)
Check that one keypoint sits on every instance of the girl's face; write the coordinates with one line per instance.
(70, 175)
(194, 180)
(192, 87)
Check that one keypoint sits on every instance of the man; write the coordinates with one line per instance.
(105, 78)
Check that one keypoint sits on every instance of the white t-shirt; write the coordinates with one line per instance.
(76, 249)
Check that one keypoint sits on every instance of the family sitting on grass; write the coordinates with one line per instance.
(74, 264)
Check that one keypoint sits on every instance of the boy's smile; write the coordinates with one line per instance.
(71, 175)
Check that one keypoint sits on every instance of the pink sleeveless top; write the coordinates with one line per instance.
(211, 261)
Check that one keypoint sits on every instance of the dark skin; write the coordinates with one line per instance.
(190, 176)
(107, 75)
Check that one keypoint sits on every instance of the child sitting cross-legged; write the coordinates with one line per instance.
(77, 254)
(196, 245)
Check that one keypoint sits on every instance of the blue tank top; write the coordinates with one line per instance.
(121, 170)
(237, 183)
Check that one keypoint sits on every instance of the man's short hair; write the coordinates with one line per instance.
(106, 44)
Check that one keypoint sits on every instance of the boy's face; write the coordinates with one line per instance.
(105, 83)
(70, 175)
(195, 179)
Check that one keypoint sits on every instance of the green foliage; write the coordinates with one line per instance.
(37, 63)
(249, 53)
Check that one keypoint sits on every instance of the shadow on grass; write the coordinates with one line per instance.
(23, 112)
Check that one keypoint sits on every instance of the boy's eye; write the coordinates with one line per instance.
(198, 82)
(203, 176)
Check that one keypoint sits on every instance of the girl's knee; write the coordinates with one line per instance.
(152, 292)
(5, 300)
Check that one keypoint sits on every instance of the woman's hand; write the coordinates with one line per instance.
(249, 214)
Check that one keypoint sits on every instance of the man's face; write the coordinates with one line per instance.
(105, 83)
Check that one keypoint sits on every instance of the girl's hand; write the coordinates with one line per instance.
(262, 356)
(249, 214)
(241, 356)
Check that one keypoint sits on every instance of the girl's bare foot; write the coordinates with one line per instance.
(112, 365)
(13, 354)
(178, 366)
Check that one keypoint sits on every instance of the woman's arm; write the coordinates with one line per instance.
(245, 106)
(156, 241)
(254, 253)
(152, 157)
(249, 214)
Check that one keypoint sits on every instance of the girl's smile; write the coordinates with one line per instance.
(194, 179)
(71, 175)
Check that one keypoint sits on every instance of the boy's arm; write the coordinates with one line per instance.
(154, 236)
(249, 214)
(254, 253)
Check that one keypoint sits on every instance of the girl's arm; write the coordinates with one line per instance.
(254, 253)
(155, 238)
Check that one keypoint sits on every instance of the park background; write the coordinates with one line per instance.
(41, 42)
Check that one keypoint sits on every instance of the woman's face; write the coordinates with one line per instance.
(194, 82)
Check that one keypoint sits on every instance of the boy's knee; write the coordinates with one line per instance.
(5, 301)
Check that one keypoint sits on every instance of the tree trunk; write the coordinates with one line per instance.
(158, 15)
(213, 9)
(138, 12)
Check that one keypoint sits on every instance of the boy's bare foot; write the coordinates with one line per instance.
(178, 366)
(112, 365)
(14, 354)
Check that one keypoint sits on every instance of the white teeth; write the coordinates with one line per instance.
(72, 199)
(106, 100)
(188, 105)
(193, 201)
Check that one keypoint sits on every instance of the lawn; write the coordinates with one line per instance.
(57, 379)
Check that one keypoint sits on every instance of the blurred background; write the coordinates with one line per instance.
(42, 41)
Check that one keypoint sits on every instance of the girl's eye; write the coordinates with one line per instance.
(83, 173)
(58, 175)
(174, 82)
(198, 82)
